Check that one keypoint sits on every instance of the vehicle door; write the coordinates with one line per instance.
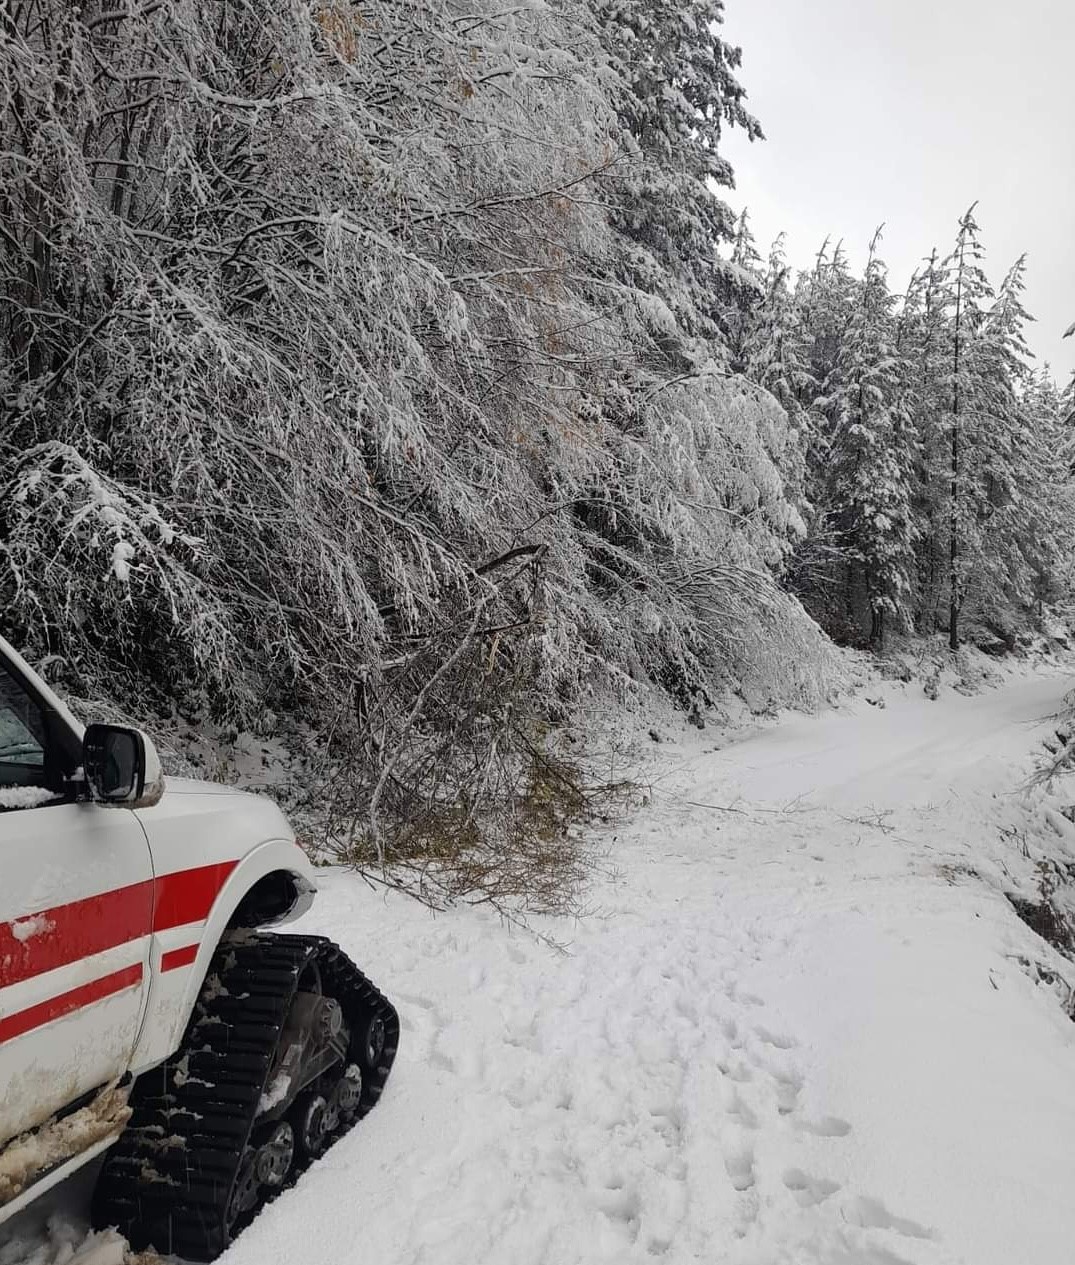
(76, 897)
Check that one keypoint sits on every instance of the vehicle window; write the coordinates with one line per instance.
(23, 741)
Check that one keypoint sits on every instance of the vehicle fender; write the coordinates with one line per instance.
(174, 988)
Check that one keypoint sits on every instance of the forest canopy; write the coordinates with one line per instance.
(400, 370)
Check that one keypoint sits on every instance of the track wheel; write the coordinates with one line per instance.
(289, 1045)
(372, 1033)
(314, 1124)
(244, 1196)
(347, 1094)
(275, 1156)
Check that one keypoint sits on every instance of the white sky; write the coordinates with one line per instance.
(906, 111)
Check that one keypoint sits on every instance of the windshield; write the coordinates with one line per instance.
(25, 777)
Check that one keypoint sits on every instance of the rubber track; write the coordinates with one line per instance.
(166, 1182)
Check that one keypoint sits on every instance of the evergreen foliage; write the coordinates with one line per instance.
(394, 373)
(361, 369)
(938, 482)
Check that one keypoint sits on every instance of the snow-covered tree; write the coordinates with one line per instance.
(875, 452)
(746, 300)
(923, 333)
(676, 91)
(328, 392)
(1015, 499)
(773, 355)
(811, 341)
(928, 491)
(1043, 499)
(967, 383)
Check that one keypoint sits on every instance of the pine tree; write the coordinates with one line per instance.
(872, 455)
(773, 349)
(1003, 495)
(823, 303)
(827, 302)
(744, 248)
(924, 345)
(1046, 493)
(930, 468)
(739, 314)
(678, 92)
(971, 291)
(770, 353)
(881, 446)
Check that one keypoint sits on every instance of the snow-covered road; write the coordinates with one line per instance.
(798, 1032)
(914, 751)
(806, 1030)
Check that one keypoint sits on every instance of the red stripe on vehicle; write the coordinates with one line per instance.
(64, 934)
(51, 938)
(75, 999)
(188, 895)
(175, 958)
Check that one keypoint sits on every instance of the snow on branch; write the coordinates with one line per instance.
(338, 388)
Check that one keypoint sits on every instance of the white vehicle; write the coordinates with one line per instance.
(141, 1012)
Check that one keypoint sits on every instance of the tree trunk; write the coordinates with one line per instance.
(953, 524)
(877, 629)
(953, 544)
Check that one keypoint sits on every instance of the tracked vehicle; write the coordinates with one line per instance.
(145, 1013)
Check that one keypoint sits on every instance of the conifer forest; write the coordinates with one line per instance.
(396, 377)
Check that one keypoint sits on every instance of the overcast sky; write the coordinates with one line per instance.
(907, 111)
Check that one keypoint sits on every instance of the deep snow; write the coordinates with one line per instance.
(802, 1024)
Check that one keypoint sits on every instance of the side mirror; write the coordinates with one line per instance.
(122, 766)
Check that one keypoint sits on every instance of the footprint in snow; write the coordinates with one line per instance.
(686, 1008)
(524, 1034)
(669, 1121)
(809, 1191)
(739, 1165)
(436, 1058)
(788, 1085)
(735, 1070)
(523, 1096)
(420, 1016)
(871, 1214)
(423, 1003)
(734, 994)
(563, 1098)
(826, 1127)
(776, 1039)
(739, 1110)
